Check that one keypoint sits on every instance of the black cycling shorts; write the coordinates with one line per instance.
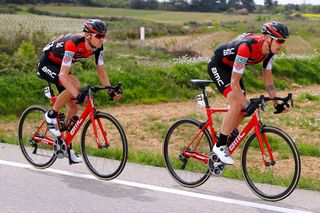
(50, 72)
(221, 75)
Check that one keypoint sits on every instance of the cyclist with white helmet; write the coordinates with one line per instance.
(227, 66)
(55, 67)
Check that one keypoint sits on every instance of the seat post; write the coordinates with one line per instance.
(205, 96)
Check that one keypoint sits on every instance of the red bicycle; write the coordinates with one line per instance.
(270, 160)
(103, 141)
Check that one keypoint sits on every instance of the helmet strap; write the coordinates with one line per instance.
(269, 43)
(89, 42)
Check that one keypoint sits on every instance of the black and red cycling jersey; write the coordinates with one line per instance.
(244, 50)
(232, 57)
(74, 44)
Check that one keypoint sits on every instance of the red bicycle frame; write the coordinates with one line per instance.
(254, 124)
(88, 111)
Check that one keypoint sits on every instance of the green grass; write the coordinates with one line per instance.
(150, 15)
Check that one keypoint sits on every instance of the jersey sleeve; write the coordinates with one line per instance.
(70, 49)
(99, 57)
(241, 58)
(267, 63)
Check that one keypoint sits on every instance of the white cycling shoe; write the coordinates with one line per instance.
(52, 124)
(223, 154)
(74, 157)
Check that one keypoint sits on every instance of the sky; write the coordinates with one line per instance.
(315, 2)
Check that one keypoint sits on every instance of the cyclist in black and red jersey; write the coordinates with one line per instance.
(227, 66)
(55, 67)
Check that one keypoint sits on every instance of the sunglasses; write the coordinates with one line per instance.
(280, 41)
(99, 36)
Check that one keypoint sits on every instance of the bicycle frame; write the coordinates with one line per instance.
(254, 124)
(89, 111)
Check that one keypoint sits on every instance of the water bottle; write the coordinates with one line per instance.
(72, 121)
(61, 121)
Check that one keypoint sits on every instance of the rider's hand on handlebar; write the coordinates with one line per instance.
(115, 93)
(115, 96)
(280, 108)
(82, 95)
(251, 106)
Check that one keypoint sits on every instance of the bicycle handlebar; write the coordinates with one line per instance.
(261, 101)
(111, 89)
(117, 87)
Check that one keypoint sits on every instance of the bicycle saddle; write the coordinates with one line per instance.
(201, 83)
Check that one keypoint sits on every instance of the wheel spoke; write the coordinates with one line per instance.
(107, 160)
(277, 179)
(31, 124)
(187, 170)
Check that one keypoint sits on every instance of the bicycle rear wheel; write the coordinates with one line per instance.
(105, 162)
(277, 180)
(34, 138)
(187, 171)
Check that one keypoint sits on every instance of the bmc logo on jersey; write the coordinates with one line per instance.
(228, 52)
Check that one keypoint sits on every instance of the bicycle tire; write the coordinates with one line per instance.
(105, 163)
(40, 155)
(180, 167)
(264, 181)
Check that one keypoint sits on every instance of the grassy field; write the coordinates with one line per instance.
(250, 22)
(152, 15)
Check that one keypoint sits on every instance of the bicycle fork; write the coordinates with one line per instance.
(103, 132)
(262, 139)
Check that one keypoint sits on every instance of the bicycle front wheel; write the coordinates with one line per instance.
(35, 141)
(181, 141)
(108, 160)
(278, 179)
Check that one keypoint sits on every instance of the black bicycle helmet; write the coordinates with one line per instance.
(275, 29)
(95, 26)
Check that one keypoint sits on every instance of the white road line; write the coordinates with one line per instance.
(160, 189)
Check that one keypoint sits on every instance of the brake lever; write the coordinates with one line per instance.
(291, 100)
(263, 105)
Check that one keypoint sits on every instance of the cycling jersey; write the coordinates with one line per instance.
(65, 50)
(71, 48)
(244, 50)
(230, 57)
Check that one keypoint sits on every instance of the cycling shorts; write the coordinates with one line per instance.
(221, 75)
(50, 72)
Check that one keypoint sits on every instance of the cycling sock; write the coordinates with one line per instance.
(52, 113)
(222, 140)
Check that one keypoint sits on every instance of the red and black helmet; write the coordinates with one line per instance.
(95, 26)
(275, 29)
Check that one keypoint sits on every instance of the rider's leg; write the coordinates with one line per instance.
(231, 118)
(68, 100)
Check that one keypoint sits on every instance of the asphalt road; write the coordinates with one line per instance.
(65, 188)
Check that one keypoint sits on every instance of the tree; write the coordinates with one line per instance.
(249, 5)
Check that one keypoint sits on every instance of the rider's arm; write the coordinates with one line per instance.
(268, 83)
(267, 77)
(102, 75)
